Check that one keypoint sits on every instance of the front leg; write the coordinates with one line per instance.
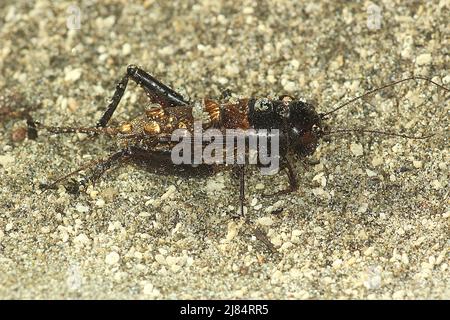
(156, 91)
(293, 183)
(238, 172)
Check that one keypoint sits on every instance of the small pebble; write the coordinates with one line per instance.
(6, 160)
(337, 263)
(160, 259)
(265, 221)
(259, 186)
(112, 258)
(356, 149)
(148, 288)
(376, 161)
(82, 209)
(232, 231)
(436, 184)
(290, 86)
(170, 191)
(100, 202)
(369, 251)
(417, 164)
(126, 49)
(446, 80)
(82, 239)
(73, 75)
(423, 59)
(19, 134)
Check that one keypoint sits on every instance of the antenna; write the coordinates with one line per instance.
(387, 133)
(323, 115)
(58, 130)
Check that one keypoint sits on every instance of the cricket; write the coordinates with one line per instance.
(148, 139)
(166, 135)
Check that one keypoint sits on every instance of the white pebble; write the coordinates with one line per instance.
(73, 75)
(295, 63)
(363, 208)
(446, 79)
(175, 268)
(337, 263)
(318, 192)
(247, 10)
(286, 246)
(265, 221)
(81, 239)
(259, 186)
(417, 164)
(371, 173)
(222, 80)
(170, 191)
(232, 70)
(436, 184)
(112, 258)
(356, 149)
(160, 259)
(6, 160)
(232, 231)
(167, 51)
(423, 59)
(271, 78)
(107, 22)
(376, 161)
(100, 202)
(171, 260)
(369, 251)
(289, 86)
(126, 49)
(398, 295)
(405, 258)
(320, 178)
(45, 229)
(148, 288)
(215, 185)
(81, 209)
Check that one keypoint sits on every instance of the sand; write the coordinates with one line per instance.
(370, 219)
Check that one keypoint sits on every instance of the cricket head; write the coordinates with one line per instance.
(304, 127)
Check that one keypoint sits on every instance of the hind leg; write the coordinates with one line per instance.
(99, 167)
(156, 91)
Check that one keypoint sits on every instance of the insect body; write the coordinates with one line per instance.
(147, 139)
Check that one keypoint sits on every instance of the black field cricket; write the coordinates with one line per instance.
(291, 125)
